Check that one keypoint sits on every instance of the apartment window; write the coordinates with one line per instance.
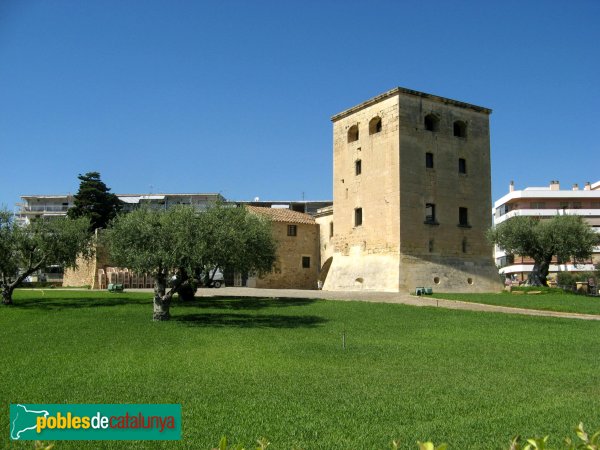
(306, 262)
(432, 122)
(537, 205)
(353, 133)
(595, 205)
(462, 165)
(429, 160)
(330, 229)
(430, 213)
(460, 129)
(463, 217)
(564, 205)
(292, 230)
(357, 167)
(375, 125)
(576, 205)
(358, 217)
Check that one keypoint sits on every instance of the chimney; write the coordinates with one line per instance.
(554, 185)
(511, 186)
(588, 186)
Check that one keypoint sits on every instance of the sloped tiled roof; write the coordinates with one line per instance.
(282, 215)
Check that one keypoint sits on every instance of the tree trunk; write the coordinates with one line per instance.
(184, 286)
(7, 291)
(162, 300)
(539, 273)
(8, 287)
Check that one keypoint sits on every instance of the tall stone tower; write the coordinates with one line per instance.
(412, 195)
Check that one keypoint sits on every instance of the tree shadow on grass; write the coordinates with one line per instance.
(74, 303)
(249, 320)
(252, 303)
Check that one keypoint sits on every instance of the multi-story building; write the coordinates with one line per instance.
(412, 195)
(50, 206)
(547, 202)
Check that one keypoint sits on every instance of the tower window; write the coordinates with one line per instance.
(306, 262)
(464, 245)
(330, 229)
(358, 217)
(375, 125)
(462, 165)
(429, 160)
(460, 129)
(353, 133)
(463, 217)
(430, 245)
(358, 167)
(432, 122)
(430, 213)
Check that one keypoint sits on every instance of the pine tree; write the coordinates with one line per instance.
(95, 201)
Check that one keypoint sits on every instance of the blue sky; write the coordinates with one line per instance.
(236, 96)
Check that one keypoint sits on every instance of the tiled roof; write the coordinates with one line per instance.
(282, 215)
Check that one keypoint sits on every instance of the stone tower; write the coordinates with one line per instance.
(412, 195)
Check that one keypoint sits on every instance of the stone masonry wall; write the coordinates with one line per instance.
(288, 272)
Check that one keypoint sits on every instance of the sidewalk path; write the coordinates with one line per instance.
(380, 297)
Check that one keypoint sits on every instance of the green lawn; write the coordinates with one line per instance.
(251, 367)
(549, 300)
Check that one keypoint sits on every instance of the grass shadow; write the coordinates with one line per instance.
(249, 320)
(239, 302)
(74, 303)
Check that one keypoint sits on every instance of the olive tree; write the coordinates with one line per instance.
(235, 240)
(180, 241)
(157, 242)
(25, 249)
(566, 237)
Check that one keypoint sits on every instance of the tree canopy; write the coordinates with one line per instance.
(566, 237)
(26, 249)
(236, 240)
(94, 200)
(181, 240)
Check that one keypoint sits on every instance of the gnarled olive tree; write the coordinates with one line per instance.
(567, 237)
(24, 249)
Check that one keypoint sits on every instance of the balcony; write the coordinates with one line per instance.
(547, 213)
(518, 268)
(44, 209)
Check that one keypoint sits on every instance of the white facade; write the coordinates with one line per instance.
(547, 202)
(50, 206)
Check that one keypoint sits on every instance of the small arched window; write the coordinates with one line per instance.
(460, 129)
(375, 125)
(353, 133)
(432, 122)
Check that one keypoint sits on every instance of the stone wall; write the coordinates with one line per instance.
(83, 275)
(86, 273)
(288, 272)
(393, 249)
(445, 250)
(366, 256)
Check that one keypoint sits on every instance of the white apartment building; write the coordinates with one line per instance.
(547, 202)
(50, 206)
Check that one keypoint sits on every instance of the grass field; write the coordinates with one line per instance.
(252, 367)
(548, 300)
